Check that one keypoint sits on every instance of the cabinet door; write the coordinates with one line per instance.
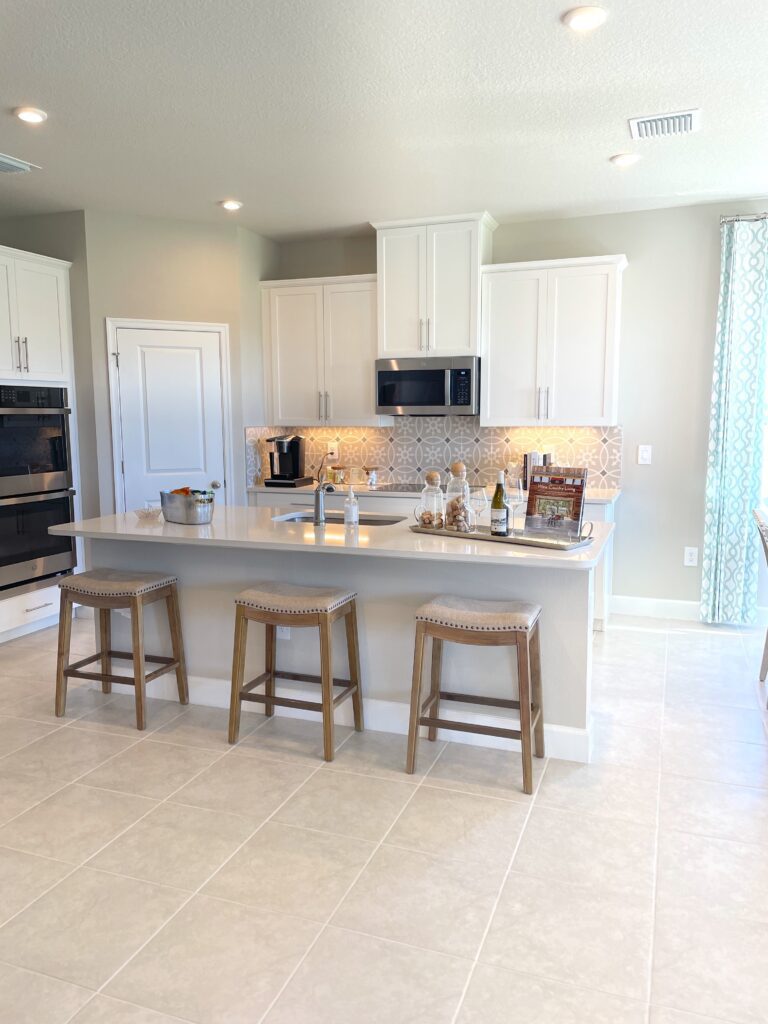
(580, 376)
(513, 328)
(9, 351)
(402, 291)
(452, 289)
(350, 353)
(296, 334)
(41, 296)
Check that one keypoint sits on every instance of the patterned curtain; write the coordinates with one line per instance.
(730, 558)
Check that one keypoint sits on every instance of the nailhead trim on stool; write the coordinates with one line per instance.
(115, 583)
(291, 599)
(482, 616)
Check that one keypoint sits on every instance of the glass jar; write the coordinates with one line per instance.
(430, 512)
(458, 510)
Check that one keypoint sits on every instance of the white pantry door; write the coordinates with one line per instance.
(170, 411)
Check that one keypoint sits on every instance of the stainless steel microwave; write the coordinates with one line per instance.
(428, 387)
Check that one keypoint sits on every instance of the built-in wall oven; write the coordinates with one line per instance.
(35, 484)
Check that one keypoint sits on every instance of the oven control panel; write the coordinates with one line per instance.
(32, 398)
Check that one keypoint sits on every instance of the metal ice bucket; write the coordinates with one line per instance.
(188, 509)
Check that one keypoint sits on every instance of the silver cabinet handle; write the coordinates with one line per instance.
(215, 485)
(38, 607)
(26, 355)
(428, 319)
(327, 406)
(18, 353)
(319, 405)
(547, 401)
(421, 336)
(538, 403)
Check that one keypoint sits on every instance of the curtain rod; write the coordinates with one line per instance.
(745, 216)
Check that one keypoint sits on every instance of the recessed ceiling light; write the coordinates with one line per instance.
(585, 19)
(231, 204)
(32, 115)
(624, 159)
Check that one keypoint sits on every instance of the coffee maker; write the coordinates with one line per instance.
(286, 462)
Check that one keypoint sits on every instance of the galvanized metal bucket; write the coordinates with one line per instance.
(187, 509)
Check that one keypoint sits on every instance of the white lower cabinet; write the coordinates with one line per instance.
(26, 610)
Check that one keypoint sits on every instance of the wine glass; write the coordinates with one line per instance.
(478, 502)
(516, 502)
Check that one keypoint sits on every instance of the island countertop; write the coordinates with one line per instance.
(237, 526)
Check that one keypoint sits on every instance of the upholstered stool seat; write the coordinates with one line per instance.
(107, 589)
(481, 623)
(286, 604)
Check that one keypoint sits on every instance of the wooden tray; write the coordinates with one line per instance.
(518, 537)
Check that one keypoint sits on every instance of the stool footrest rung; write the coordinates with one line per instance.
(471, 698)
(482, 730)
(300, 677)
(282, 702)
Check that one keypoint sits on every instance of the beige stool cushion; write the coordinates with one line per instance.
(115, 583)
(292, 600)
(480, 616)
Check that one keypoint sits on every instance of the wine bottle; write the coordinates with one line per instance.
(499, 510)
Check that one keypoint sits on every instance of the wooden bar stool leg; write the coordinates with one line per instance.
(538, 730)
(524, 687)
(326, 677)
(350, 622)
(177, 644)
(270, 664)
(434, 691)
(139, 671)
(413, 725)
(62, 656)
(105, 639)
(238, 670)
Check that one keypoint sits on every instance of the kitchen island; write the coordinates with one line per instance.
(393, 570)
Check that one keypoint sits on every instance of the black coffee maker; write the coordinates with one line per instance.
(286, 462)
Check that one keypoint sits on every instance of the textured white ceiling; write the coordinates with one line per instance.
(323, 114)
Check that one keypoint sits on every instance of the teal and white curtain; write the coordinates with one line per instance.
(730, 558)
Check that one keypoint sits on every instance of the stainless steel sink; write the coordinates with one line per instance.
(336, 518)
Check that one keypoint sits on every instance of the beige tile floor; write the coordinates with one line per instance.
(166, 877)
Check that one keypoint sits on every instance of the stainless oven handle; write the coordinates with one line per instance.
(28, 499)
(34, 412)
(26, 355)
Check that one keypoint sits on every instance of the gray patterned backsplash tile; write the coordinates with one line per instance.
(404, 451)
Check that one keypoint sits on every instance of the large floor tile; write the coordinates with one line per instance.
(18, 732)
(719, 874)
(660, 1015)
(21, 790)
(41, 707)
(382, 754)
(350, 805)
(216, 962)
(610, 855)
(14, 689)
(119, 715)
(291, 870)
(496, 996)
(289, 739)
(684, 688)
(203, 727)
(613, 791)
(150, 769)
(714, 809)
(105, 1010)
(417, 899)
(87, 926)
(482, 770)
(23, 878)
(709, 723)
(39, 666)
(73, 823)
(634, 712)
(741, 764)
(615, 743)
(65, 754)
(27, 998)
(175, 845)
(460, 826)
(572, 934)
(349, 978)
(711, 964)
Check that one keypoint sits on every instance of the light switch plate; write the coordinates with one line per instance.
(332, 451)
(644, 454)
(691, 557)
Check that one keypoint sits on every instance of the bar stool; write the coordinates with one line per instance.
(486, 624)
(283, 604)
(106, 589)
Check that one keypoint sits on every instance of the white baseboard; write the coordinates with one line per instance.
(655, 607)
(562, 742)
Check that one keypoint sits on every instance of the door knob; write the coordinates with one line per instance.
(215, 484)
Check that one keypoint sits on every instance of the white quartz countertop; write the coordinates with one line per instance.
(236, 526)
(594, 495)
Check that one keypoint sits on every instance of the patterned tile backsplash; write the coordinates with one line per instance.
(404, 451)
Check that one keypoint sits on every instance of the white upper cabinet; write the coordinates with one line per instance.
(429, 285)
(322, 342)
(550, 342)
(34, 317)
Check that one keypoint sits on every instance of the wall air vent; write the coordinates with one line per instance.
(12, 165)
(682, 122)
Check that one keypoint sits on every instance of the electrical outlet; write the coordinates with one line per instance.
(332, 451)
(644, 454)
(283, 632)
(691, 557)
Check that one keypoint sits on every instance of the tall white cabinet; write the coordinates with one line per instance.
(322, 348)
(550, 339)
(429, 285)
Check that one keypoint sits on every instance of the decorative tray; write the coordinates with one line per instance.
(518, 537)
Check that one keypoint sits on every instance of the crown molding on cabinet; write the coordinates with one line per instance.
(483, 218)
(307, 281)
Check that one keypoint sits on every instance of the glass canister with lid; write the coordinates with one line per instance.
(430, 512)
(458, 510)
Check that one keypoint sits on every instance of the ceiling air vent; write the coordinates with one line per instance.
(12, 165)
(682, 122)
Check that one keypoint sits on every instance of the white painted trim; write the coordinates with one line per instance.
(113, 324)
(484, 218)
(306, 281)
(562, 742)
(34, 257)
(655, 607)
(619, 260)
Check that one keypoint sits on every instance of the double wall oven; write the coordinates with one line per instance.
(35, 485)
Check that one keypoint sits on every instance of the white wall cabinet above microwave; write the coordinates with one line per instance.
(429, 285)
(550, 336)
(34, 317)
(322, 349)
